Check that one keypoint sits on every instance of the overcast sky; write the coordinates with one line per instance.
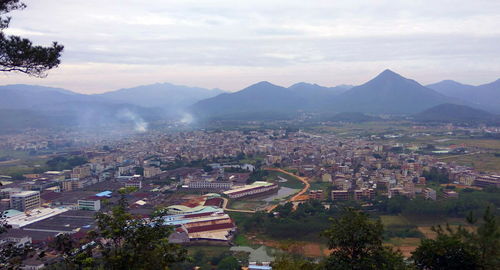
(230, 44)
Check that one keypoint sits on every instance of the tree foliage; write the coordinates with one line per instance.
(130, 242)
(63, 243)
(19, 54)
(462, 248)
(65, 163)
(305, 222)
(289, 262)
(437, 175)
(356, 241)
(447, 251)
(486, 240)
(229, 263)
(468, 200)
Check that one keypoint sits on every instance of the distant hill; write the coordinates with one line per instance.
(389, 93)
(12, 120)
(163, 95)
(452, 88)
(27, 106)
(485, 96)
(278, 101)
(36, 88)
(260, 97)
(455, 113)
(22, 96)
(488, 95)
(315, 96)
(312, 88)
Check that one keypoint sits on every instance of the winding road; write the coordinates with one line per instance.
(296, 196)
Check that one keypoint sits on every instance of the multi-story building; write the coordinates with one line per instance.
(396, 191)
(485, 181)
(340, 195)
(151, 171)
(124, 170)
(364, 194)
(326, 177)
(466, 179)
(25, 200)
(316, 194)
(54, 175)
(134, 183)
(91, 203)
(18, 240)
(75, 183)
(80, 172)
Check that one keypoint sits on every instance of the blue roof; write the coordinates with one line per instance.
(260, 267)
(106, 193)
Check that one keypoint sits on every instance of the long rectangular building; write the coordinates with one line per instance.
(212, 226)
(485, 181)
(257, 188)
(208, 185)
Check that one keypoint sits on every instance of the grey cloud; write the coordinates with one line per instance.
(289, 34)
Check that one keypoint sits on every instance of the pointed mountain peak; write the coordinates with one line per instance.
(261, 86)
(389, 74)
(300, 84)
(449, 82)
(262, 83)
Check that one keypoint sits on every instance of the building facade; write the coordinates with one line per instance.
(25, 200)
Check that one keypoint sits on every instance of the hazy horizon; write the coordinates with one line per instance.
(235, 90)
(121, 44)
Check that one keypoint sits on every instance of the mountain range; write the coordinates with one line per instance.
(160, 95)
(40, 106)
(485, 96)
(387, 93)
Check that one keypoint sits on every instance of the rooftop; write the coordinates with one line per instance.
(35, 215)
(106, 193)
(256, 184)
(24, 193)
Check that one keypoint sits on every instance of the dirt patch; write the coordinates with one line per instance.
(308, 249)
(406, 250)
(427, 232)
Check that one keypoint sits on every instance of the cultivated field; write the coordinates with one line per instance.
(485, 162)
